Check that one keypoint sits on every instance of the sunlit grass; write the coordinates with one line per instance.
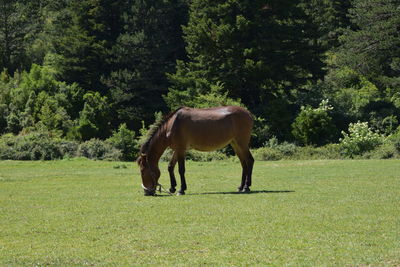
(78, 212)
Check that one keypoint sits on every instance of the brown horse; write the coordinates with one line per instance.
(201, 129)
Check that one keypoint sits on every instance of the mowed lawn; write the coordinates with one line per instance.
(303, 213)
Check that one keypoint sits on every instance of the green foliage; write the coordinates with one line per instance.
(389, 149)
(17, 25)
(384, 151)
(149, 43)
(94, 120)
(330, 19)
(246, 50)
(124, 140)
(313, 126)
(287, 151)
(395, 140)
(189, 98)
(98, 149)
(360, 139)
(37, 96)
(81, 69)
(35, 146)
(372, 46)
(267, 154)
(81, 35)
(350, 91)
(205, 156)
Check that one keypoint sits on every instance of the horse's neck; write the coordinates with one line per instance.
(157, 148)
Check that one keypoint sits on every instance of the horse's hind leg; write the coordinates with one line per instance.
(239, 153)
(171, 167)
(250, 164)
(244, 175)
(247, 161)
(181, 165)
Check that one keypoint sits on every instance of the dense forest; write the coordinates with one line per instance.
(311, 72)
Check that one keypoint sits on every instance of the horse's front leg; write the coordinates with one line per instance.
(171, 167)
(181, 164)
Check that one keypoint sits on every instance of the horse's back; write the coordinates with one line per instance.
(211, 128)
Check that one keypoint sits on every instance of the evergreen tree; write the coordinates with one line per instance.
(256, 51)
(330, 18)
(372, 48)
(148, 47)
(13, 28)
(81, 33)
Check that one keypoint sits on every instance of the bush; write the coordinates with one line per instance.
(395, 140)
(124, 140)
(384, 151)
(389, 149)
(195, 155)
(360, 139)
(330, 151)
(266, 154)
(98, 149)
(205, 156)
(314, 126)
(35, 146)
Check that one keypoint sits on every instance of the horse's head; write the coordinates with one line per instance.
(150, 175)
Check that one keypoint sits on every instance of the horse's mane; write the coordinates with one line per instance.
(154, 131)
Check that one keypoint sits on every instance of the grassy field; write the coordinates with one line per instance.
(302, 213)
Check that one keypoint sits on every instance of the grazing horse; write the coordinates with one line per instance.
(201, 129)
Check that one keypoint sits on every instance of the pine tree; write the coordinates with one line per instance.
(372, 47)
(13, 29)
(330, 18)
(81, 34)
(148, 47)
(255, 51)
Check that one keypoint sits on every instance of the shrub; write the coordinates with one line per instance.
(384, 151)
(395, 140)
(205, 156)
(98, 149)
(359, 140)
(267, 153)
(35, 146)
(314, 126)
(330, 151)
(195, 155)
(124, 140)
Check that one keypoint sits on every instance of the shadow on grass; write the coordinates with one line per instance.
(163, 194)
(245, 193)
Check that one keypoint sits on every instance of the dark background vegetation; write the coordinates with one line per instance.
(87, 77)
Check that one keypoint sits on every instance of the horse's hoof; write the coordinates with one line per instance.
(246, 190)
(240, 189)
(172, 190)
(180, 193)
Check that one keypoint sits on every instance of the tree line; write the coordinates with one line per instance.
(305, 69)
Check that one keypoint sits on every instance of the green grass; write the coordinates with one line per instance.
(302, 213)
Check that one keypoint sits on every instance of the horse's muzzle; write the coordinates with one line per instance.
(148, 192)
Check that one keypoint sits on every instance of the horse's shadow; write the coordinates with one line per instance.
(231, 193)
(244, 193)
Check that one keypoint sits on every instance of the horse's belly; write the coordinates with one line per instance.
(208, 146)
(209, 142)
